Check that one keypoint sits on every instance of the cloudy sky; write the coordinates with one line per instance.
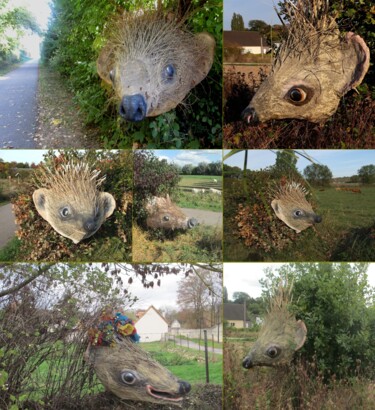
(186, 156)
(341, 162)
(250, 10)
(244, 277)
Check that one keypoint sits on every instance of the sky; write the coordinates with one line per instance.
(244, 277)
(41, 11)
(194, 157)
(341, 162)
(250, 10)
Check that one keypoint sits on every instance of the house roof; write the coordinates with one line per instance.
(153, 308)
(244, 39)
(233, 311)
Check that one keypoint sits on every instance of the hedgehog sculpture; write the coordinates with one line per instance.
(281, 335)
(69, 199)
(290, 205)
(152, 62)
(125, 369)
(315, 66)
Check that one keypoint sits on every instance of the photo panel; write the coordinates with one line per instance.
(177, 206)
(299, 205)
(61, 205)
(296, 333)
(111, 334)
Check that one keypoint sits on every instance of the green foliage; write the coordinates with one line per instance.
(286, 164)
(71, 46)
(318, 175)
(367, 174)
(333, 300)
(237, 23)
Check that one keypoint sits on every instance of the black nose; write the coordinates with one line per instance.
(184, 387)
(90, 225)
(133, 107)
(192, 222)
(317, 219)
(247, 363)
(249, 115)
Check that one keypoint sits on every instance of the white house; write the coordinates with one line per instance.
(151, 326)
(247, 41)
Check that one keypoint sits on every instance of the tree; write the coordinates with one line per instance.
(187, 169)
(318, 175)
(286, 163)
(367, 174)
(225, 295)
(260, 26)
(237, 23)
(240, 297)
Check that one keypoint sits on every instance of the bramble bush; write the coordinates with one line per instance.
(39, 241)
(72, 45)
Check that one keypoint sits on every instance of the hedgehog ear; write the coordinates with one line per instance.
(300, 336)
(206, 43)
(105, 62)
(275, 206)
(109, 204)
(40, 199)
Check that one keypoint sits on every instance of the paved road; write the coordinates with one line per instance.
(192, 345)
(18, 106)
(204, 217)
(7, 224)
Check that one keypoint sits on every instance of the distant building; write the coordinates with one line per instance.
(248, 41)
(236, 316)
(151, 326)
(175, 327)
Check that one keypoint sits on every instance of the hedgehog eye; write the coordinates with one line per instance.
(165, 218)
(298, 212)
(299, 95)
(112, 75)
(168, 73)
(65, 212)
(273, 352)
(128, 377)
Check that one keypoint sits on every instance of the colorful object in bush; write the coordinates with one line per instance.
(112, 328)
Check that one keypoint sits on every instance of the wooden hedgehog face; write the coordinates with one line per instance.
(152, 63)
(72, 214)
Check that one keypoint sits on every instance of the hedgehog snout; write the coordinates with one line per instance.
(90, 225)
(317, 219)
(133, 108)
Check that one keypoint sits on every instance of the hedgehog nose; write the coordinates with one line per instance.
(133, 108)
(90, 225)
(184, 387)
(317, 219)
(249, 115)
(192, 222)
(247, 363)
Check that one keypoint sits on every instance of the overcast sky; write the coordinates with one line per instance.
(250, 10)
(244, 277)
(183, 157)
(340, 162)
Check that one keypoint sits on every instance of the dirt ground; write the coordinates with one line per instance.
(59, 122)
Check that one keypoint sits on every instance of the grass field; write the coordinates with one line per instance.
(200, 181)
(346, 233)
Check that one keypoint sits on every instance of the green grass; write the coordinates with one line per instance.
(187, 364)
(200, 181)
(205, 201)
(10, 251)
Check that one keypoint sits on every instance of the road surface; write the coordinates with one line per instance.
(18, 106)
(192, 345)
(204, 217)
(7, 224)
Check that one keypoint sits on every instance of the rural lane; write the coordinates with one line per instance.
(204, 217)
(18, 106)
(193, 345)
(8, 225)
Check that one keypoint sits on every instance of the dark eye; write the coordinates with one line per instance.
(128, 377)
(299, 95)
(64, 212)
(169, 72)
(273, 352)
(298, 213)
(112, 75)
(166, 218)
